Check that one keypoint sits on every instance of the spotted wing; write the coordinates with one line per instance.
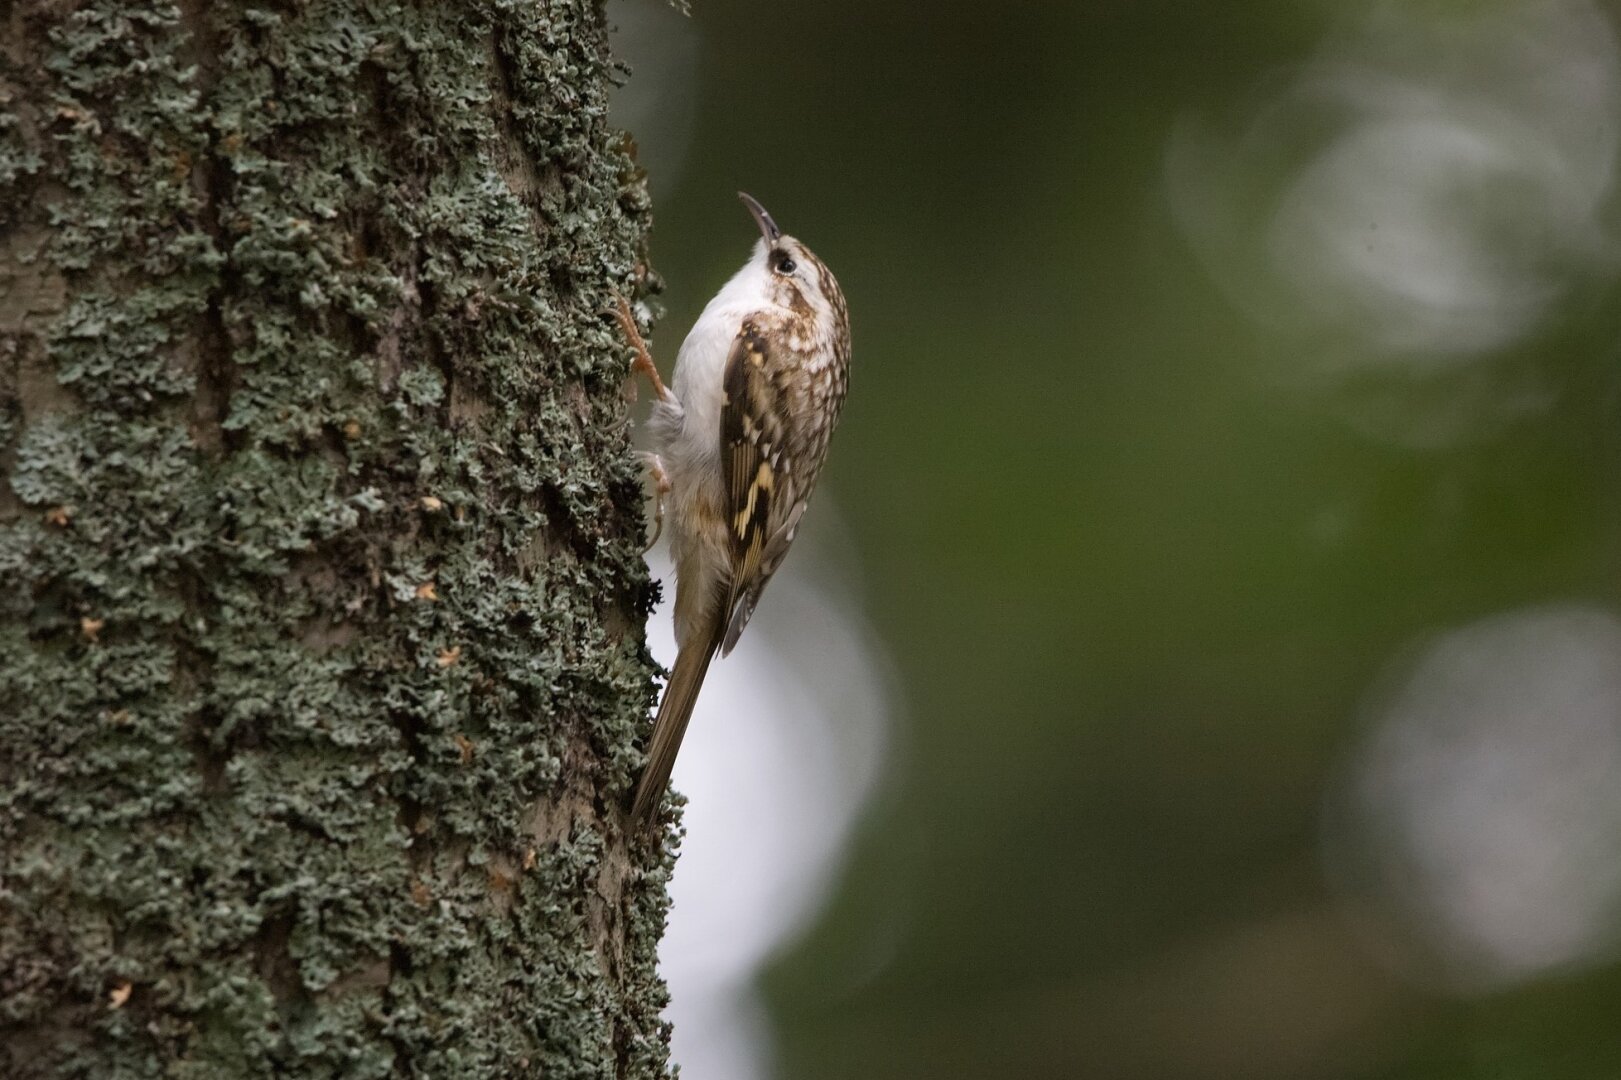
(759, 450)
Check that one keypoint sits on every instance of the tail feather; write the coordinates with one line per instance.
(691, 665)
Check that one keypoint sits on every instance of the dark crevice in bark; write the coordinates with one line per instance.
(276, 965)
(210, 404)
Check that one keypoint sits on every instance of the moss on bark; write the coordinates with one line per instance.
(321, 604)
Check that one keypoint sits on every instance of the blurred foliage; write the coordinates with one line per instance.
(1136, 590)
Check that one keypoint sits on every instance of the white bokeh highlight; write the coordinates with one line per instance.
(1477, 830)
(784, 749)
(1418, 201)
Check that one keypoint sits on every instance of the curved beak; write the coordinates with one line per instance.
(768, 228)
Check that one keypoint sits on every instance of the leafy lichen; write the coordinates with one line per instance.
(321, 663)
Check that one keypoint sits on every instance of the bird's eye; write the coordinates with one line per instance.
(786, 265)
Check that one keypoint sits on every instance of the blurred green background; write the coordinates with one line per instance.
(1165, 481)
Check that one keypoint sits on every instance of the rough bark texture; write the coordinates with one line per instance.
(321, 663)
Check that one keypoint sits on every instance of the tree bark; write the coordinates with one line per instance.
(321, 598)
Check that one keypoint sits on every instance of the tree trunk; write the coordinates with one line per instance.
(321, 599)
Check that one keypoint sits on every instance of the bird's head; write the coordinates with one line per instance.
(793, 277)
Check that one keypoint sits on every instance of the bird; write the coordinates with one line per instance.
(739, 440)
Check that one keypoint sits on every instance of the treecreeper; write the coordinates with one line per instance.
(739, 440)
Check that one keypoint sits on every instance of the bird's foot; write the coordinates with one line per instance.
(644, 358)
(661, 487)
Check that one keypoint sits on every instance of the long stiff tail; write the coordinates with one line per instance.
(691, 665)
